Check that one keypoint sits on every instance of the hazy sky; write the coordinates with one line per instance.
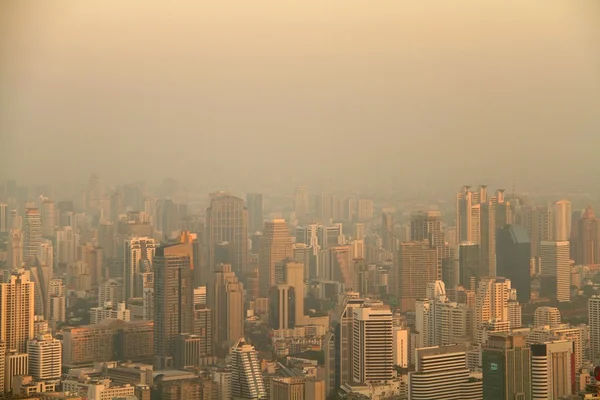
(262, 90)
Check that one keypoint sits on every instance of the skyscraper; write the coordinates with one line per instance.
(387, 230)
(246, 378)
(227, 221)
(15, 248)
(594, 324)
(585, 238)
(469, 265)
(282, 307)
(137, 250)
(540, 224)
(275, 246)
(551, 370)
(562, 212)
(301, 203)
(492, 307)
(48, 217)
(17, 310)
(416, 266)
(372, 354)
(506, 365)
(555, 260)
(254, 203)
(32, 232)
(513, 258)
(173, 299)
(225, 297)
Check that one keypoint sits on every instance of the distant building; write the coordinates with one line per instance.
(246, 378)
(513, 258)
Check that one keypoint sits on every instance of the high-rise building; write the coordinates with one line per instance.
(594, 324)
(275, 246)
(506, 365)
(48, 217)
(556, 265)
(137, 250)
(585, 238)
(110, 310)
(246, 378)
(492, 307)
(254, 203)
(4, 220)
(364, 210)
(551, 370)
(387, 231)
(442, 373)
(288, 388)
(173, 299)
(45, 357)
(301, 203)
(416, 266)
(227, 221)
(513, 258)
(540, 224)
(225, 297)
(373, 352)
(562, 212)
(282, 307)
(17, 316)
(293, 276)
(469, 265)
(16, 364)
(15, 248)
(32, 232)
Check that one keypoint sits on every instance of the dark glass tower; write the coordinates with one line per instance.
(513, 255)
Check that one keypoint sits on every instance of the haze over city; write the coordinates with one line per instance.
(272, 92)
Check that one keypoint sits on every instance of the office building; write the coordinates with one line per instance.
(301, 203)
(246, 377)
(373, 352)
(45, 358)
(137, 252)
(254, 203)
(506, 366)
(275, 246)
(48, 217)
(15, 249)
(110, 310)
(32, 232)
(585, 238)
(338, 266)
(227, 221)
(594, 326)
(173, 299)
(540, 224)
(551, 370)
(364, 212)
(492, 307)
(556, 265)
(469, 265)
(225, 297)
(16, 364)
(288, 388)
(4, 218)
(387, 231)
(97, 388)
(416, 266)
(513, 258)
(546, 316)
(563, 213)
(282, 307)
(441, 373)
(17, 293)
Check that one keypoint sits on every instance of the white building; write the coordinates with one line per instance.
(546, 316)
(97, 389)
(400, 343)
(551, 370)
(556, 262)
(562, 212)
(246, 377)
(17, 316)
(441, 373)
(372, 341)
(119, 311)
(45, 357)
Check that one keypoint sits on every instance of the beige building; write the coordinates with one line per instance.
(17, 313)
(275, 246)
(416, 266)
(225, 298)
(290, 388)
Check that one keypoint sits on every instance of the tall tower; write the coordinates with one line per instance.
(551, 369)
(48, 217)
(225, 297)
(137, 251)
(282, 307)
(246, 378)
(464, 203)
(556, 270)
(469, 265)
(416, 266)
(387, 231)
(32, 231)
(15, 248)
(585, 238)
(513, 257)
(301, 203)
(562, 212)
(254, 203)
(373, 354)
(492, 306)
(275, 246)
(594, 324)
(506, 368)
(16, 310)
(173, 299)
(540, 225)
(227, 221)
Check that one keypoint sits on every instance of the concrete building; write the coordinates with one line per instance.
(546, 316)
(275, 246)
(372, 341)
(513, 258)
(551, 370)
(45, 358)
(246, 378)
(137, 250)
(562, 213)
(32, 232)
(17, 316)
(225, 297)
(556, 269)
(506, 366)
(116, 311)
(416, 266)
